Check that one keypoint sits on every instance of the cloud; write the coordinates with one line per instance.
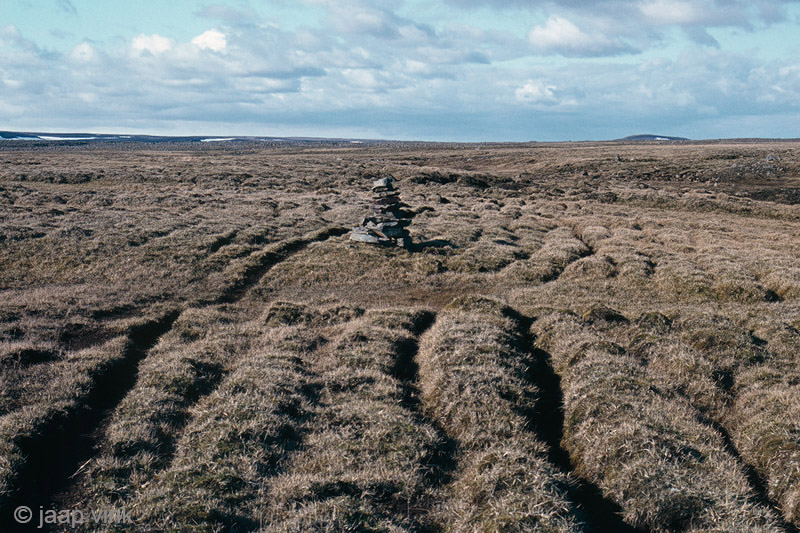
(154, 44)
(609, 27)
(12, 37)
(355, 17)
(372, 68)
(83, 53)
(211, 40)
(536, 92)
(671, 12)
(360, 17)
(10, 33)
(700, 35)
(368, 21)
(560, 36)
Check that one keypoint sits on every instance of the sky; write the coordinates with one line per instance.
(449, 70)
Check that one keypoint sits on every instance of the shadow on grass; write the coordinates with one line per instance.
(69, 439)
(434, 243)
(440, 460)
(600, 514)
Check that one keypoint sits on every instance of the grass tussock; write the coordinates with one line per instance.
(595, 267)
(683, 372)
(735, 283)
(474, 382)
(485, 257)
(560, 248)
(646, 450)
(341, 268)
(282, 313)
(740, 381)
(784, 282)
(727, 346)
(683, 280)
(243, 273)
(368, 458)
(765, 427)
(236, 436)
(184, 366)
(764, 417)
(62, 406)
(619, 253)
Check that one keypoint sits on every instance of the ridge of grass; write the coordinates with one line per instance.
(236, 438)
(368, 458)
(187, 364)
(474, 383)
(647, 451)
(67, 408)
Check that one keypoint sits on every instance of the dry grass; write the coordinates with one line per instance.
(647, 451)
(56, 405)
(285, 396)
(367, 457)
(763, 417)
(474, 382)
(186, 365)
(765, 431)
(560, 248)
(235, 437)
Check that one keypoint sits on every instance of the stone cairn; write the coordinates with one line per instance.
(386, 224)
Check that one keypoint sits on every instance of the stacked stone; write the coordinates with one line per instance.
(386, 224)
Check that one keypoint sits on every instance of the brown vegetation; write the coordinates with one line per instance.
(581, 333)
(475, 384)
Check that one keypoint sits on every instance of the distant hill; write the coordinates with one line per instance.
(648, 137)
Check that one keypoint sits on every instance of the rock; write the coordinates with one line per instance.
(362, 236)
(387, 222)
(383, 182)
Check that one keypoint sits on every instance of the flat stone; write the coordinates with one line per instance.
(395, 232)
(386, 194)
(385, 201)
(364, 237)
(383, 182)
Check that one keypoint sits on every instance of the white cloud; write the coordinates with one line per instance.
(11, 83)
(381, 68)
(12, 37)
(155, 44)
(369, 21)
(561, 36)
(670, 12)
(349, 19)
(536, 92)
(416, 68)
(211, 40)
(609, 27)
(10, 33)
(362, 79)
(558, 32)
(83, 53)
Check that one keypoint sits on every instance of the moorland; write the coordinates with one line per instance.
(582, 337)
